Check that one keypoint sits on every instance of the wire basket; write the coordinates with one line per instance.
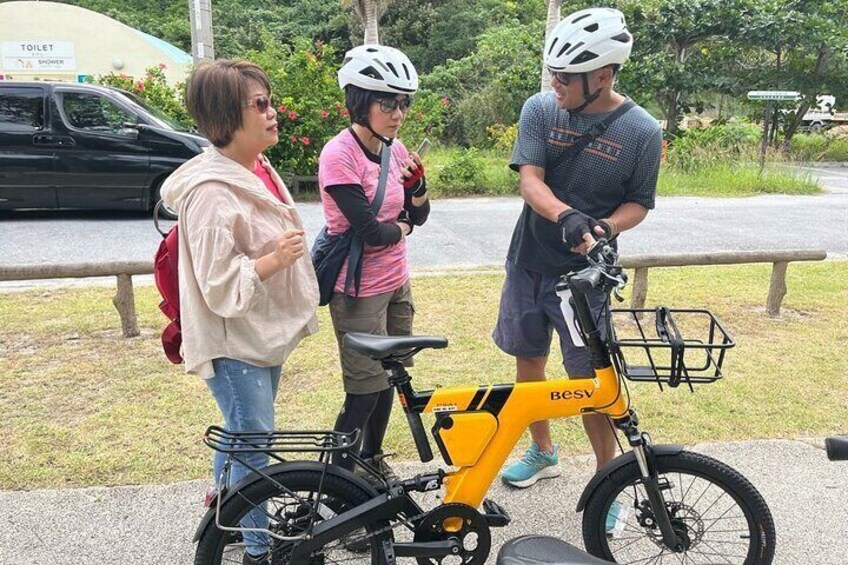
(668, 346)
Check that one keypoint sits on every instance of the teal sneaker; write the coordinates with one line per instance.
(616, 519)
(533, 466)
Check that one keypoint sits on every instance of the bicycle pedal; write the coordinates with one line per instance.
(494, 514)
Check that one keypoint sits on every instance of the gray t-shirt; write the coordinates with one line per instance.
(617, 167)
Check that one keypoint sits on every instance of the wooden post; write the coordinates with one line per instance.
(777, 288)
(124, 302)
(640, 288)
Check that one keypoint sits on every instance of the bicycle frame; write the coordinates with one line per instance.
(514, 407)
(477, 427)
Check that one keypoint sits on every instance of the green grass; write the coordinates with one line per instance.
(715, 179)
(81, 406)
(734, 180)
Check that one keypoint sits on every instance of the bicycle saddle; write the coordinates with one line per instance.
(380, 347)
(543, 550)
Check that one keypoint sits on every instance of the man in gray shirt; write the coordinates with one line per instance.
(605, 189)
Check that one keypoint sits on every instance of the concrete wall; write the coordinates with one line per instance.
(52, 41)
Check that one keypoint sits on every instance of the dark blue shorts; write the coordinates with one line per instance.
(530, 310)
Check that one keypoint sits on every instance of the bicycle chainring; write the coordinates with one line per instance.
(461, 523)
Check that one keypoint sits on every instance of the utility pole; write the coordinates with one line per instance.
(200, 14)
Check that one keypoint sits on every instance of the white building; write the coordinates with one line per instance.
(52, 41)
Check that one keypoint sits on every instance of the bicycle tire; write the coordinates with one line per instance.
(755, 524)
(337, 493)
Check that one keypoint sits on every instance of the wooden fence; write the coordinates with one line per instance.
(124, 299)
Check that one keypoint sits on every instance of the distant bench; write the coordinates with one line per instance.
(124, 299)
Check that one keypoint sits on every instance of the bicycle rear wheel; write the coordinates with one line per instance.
(292, 499)
(716, 510)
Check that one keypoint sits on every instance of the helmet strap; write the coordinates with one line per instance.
(386, 140)
(587, 97)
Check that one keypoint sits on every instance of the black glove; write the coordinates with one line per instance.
(574, 225)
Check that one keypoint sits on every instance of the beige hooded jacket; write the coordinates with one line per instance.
(228, 219)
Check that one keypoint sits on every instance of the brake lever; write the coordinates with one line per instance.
(617, 294)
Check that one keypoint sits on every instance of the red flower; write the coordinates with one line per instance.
(292, 115)
(281, 108)
(324, 114)
(139, 86)
(305, 140)
(294, 139)
(445, 100)
(163, 66)
(345, 113)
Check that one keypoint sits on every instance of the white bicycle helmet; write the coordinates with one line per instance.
(378, 68)
(588, 40)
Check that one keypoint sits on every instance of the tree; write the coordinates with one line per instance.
(369, 12)
(798, 45)
(550, 23)
(673, 59)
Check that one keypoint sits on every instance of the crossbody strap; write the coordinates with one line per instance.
(597, 130)
(385, 158)
(357, 247)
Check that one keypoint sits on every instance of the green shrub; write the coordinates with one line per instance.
(698, 147)
(464, 173)
(503, 136)
(812, 147)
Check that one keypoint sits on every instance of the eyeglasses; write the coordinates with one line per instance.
(564, 78)
(389, 105)
(261, 103)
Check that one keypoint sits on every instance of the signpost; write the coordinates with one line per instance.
(200, 15)
(770, 96)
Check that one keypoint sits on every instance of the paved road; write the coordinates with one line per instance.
(147, 525)
(465, 232)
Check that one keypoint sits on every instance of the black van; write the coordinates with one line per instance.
(65, 145)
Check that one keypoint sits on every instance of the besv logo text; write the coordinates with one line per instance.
(571, 394)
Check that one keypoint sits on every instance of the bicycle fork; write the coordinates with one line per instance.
(642, 448)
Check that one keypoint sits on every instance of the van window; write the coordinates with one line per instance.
(21, 109)
(94, 113)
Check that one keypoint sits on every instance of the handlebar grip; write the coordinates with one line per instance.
(837, 448)
(420, 436)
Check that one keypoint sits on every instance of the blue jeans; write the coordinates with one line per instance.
(245, 395)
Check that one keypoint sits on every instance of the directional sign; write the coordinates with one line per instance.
(773, 95)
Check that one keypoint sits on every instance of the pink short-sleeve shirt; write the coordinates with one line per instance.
(342, 161)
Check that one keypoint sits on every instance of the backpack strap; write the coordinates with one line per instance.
(357, 246)
(597, 130)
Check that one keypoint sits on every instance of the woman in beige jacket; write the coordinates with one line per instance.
(248, 294)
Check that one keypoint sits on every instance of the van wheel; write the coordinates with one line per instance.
(162, 211)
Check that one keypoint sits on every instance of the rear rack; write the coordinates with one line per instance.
(689, 346)
(304, 441)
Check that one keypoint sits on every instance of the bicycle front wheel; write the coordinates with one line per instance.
(293, 499)
(716, 511)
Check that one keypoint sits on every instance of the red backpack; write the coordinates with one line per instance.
(166, 275)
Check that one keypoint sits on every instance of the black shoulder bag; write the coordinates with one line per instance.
(330, 251)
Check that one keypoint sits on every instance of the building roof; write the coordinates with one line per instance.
(50, 40)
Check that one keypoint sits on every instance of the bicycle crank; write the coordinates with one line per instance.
(460, 524)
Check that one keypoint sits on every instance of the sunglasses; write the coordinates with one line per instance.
(261, 103)
(389, 105)
(564, 78)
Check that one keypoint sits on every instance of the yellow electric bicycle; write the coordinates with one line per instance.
(670, 503)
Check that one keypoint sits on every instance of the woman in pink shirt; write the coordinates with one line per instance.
(378, 82)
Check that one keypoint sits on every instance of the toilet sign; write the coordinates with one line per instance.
(773, 95)
(38, 55)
